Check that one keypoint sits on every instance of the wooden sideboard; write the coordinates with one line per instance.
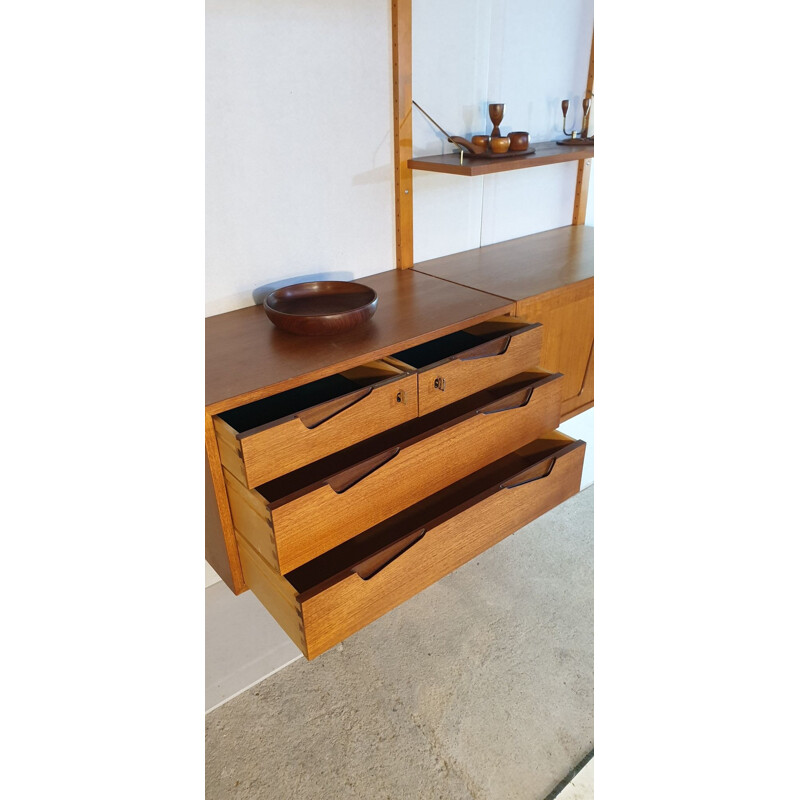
(348, 473)
(549, 277)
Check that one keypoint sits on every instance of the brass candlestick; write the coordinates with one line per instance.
(577, 138)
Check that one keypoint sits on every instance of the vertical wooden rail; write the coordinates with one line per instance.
(585, 165)
(403, 186)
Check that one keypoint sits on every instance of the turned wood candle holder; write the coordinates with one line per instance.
(496, 111)
(577, 138)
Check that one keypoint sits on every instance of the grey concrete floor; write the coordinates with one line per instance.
(479, 687)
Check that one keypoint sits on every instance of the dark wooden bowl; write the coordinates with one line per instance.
(321, 308)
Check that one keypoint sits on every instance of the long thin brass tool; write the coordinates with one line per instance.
(458, 141)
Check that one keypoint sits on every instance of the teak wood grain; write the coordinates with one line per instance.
(567, 318)
(403, 182)
(221, 550)
(584, 166)
(546, 153)
(337, 611)
(550, 276)
(584, 399)
(290, 444)
(274, 592)
(292, 530)
(319, 617)
(521, 268)
(248, 358)
(464, 374)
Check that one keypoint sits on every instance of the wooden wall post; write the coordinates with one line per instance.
(403, 186)
(584, 165)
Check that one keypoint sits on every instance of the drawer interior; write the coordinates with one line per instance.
(301, 398)
(511, 393)
(423, 355)
(529, 462)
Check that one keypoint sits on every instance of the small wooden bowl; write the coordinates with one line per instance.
(500, 144)
(321, 308)
(481, 143)
(519, 140)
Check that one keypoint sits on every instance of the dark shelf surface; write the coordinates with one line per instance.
(546, 153)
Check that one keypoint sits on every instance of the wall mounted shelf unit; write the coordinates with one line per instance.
(546, 153)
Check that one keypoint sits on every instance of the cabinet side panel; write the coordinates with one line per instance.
(221, 550)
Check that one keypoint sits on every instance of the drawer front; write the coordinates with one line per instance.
(479, 367)
(263, 455)
(274, 592)
(338, 608)
(403, 475)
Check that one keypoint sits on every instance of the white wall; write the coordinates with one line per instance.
(298, 143)
(299, 169)
(528, 54)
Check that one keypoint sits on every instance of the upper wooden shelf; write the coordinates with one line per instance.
(248, 358)
(546, 153)
(522, 268)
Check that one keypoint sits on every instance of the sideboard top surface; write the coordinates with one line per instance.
(524, 267)
(248, 358)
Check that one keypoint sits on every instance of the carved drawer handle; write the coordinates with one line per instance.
(517, 400)
(322, 413)
(373, 564)
(495, 347)
(348, 478)
(535, 473)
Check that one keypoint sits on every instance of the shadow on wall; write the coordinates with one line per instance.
(260, 293)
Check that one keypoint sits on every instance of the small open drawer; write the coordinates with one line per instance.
(456, 365)
(262, 440)
(297, 517)
(343, 590)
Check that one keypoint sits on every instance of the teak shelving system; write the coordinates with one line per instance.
(404, 162)
(347, 473)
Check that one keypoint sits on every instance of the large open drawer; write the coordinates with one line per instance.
(300, 516)
(338, 593)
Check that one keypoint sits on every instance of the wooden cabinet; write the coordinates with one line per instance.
(567, 318)
(341, 492)
(550, 278)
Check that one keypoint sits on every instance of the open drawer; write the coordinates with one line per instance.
(345, 589)
(299, 516)
(262, 440)
(456, 365)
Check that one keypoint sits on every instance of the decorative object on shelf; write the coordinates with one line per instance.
(496, 111)
(481, 143)
(575, 139)
(321, 308)
(500, 144)
(459, 141)
(483, 147)
(519, 140)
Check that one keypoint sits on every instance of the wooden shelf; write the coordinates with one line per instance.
(546, 153)
(519, 269)
(248, 358)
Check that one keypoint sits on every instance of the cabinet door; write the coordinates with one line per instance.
(567, 316)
